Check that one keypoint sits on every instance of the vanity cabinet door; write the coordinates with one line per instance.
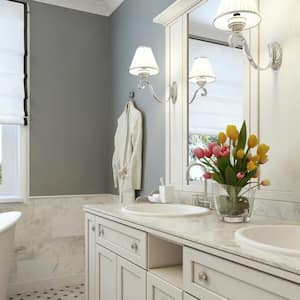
(90, 256)
(131, 281)
(188, 297)
(106, 274)
(206, 297)
(158, 289)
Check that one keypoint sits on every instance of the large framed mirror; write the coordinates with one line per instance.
(232, 94)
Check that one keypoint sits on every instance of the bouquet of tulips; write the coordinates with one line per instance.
(230, 161)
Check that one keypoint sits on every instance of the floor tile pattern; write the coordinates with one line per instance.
(64, 293)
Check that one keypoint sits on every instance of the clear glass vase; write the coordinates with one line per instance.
(234, 204)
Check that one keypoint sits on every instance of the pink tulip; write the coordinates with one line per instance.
(240, 175)
(211, 146)
(207, 175)
(224, 152)
(199, 153)
(216, 151)
(207, 153)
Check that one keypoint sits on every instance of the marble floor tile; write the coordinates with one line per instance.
(64, 293)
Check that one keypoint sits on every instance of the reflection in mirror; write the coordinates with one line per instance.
(209, 114)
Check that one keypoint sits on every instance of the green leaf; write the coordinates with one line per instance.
(242, 137)
(218, 178)
(230, 176)
(222, 164)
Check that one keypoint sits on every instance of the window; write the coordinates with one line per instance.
(13, 100)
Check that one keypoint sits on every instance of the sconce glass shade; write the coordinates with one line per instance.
(202, 71)
(237, 15)
(144, 63)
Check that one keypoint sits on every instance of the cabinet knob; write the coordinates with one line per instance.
(93, 228)
(101, 231)
(203, 277)
(134, 247)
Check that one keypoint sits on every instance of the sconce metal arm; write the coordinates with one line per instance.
(275, 53)
(275, 56)
(172, 94)
(203, 94)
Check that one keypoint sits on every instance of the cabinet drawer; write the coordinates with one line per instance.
(209, 277)
(128, 242)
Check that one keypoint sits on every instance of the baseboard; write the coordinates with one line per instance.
(45, 284)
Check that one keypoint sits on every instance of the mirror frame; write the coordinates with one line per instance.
(176, 21)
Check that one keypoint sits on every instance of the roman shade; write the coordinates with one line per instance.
(12, 63)
(224, 103)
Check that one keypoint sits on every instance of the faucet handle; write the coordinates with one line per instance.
(196, 198)
(200, 200)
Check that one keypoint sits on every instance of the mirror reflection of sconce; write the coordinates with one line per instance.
(240, 15)
(201, 74)
(144, 65)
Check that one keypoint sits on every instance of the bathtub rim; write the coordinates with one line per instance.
(12, 218)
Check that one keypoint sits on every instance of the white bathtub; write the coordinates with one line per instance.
(7, 232)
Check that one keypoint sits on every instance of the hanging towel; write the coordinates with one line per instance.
(127, 157)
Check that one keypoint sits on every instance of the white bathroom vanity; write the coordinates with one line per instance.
(131, 257)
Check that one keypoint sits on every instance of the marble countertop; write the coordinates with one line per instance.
(207, 231)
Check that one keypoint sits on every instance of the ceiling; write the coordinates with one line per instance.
(99, 7)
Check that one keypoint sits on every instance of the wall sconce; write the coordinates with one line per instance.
(201, 74)
(240, 15)
(144, 65)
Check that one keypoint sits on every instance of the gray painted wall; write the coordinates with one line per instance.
(131, 25)
(70, 77)
(79, 87)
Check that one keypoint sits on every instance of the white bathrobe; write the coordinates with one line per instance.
(127, 158)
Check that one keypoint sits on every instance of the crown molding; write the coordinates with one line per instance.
(98, 7)
(175, 10)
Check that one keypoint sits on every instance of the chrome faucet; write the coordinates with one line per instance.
(205, 180)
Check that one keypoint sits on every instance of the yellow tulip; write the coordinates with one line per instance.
(264, 159)
(240, 154)
(262, 149)
(235, 136)
(266, 182)
(252, 141)
(251, 166)
(255, 158)
(232, 132)
(222, 137)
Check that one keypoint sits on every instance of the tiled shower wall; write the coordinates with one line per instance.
(49, 242)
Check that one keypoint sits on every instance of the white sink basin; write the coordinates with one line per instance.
(164, 210)
(277, 239)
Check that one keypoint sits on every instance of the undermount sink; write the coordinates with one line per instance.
(164, 210)
(276, 239)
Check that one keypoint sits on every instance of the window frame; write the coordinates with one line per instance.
(21, 192)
